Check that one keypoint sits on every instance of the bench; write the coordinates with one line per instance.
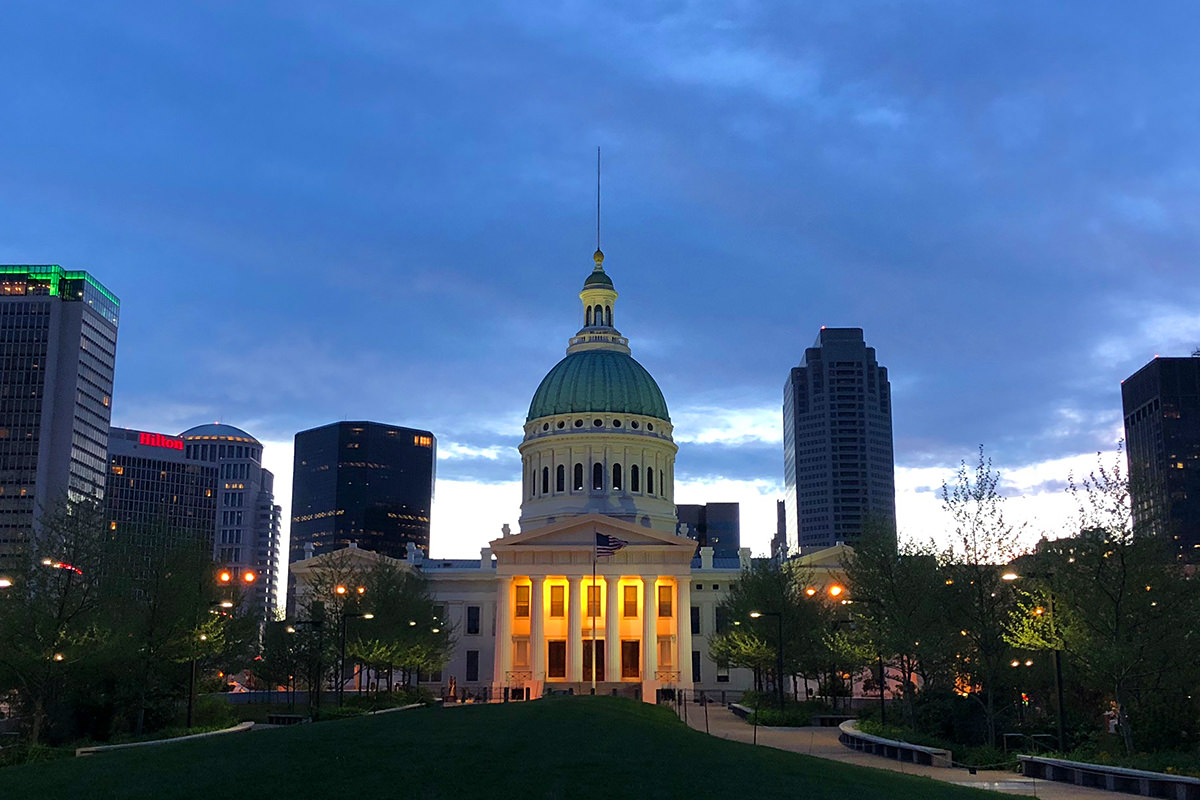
(286, 719)
(1115, 779)
(906, 752)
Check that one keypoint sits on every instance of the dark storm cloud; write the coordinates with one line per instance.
(373, 210)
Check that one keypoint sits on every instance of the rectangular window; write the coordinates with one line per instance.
(629, 593)
(722, 672)
(556, 659)
(556, 600)
(664, 600)
(472, 665)
(593, 602)
(695, 666)
(630, 659)
(473, 620)
(522, 610)
(722, 619)
(695, 620)
(521, 654)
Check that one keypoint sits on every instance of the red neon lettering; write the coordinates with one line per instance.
(158, 440)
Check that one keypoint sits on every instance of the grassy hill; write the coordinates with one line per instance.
(571, 747)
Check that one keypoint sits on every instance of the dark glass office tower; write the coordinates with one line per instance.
(837, 443)
(1161, 402)
(58, 344)
(362, 482)
(715, 525)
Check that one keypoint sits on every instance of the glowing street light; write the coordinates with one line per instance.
(5, 583)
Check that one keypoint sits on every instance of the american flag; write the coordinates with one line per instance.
(608, 545)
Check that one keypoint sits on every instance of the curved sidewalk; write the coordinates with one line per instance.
(823, 743)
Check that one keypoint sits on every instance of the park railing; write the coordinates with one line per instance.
(1115, 779)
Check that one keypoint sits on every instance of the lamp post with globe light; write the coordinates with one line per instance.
(1061, 721)
(778, 650)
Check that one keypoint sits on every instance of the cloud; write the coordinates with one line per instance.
(451, 451)
(727, 426)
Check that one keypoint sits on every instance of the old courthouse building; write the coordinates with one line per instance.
(546, 607)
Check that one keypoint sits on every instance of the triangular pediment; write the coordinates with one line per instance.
(344, 558)
(580, 532)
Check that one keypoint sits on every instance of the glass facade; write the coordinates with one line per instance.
(58, 338)
(362, 482)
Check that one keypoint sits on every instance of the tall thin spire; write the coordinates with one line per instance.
(597, 198)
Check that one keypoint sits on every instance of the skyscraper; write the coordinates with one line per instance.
(837, 443)
(362, 482)
(715, 525)
(58, 344)
(246, 519)
(1161, 403)
(153, 490)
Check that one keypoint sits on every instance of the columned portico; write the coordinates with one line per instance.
(557, 563)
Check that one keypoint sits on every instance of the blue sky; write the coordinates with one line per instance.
(318, 211)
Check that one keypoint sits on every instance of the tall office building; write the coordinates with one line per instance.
(1161, 403)
(837, 443)
(246, 519)
(154, 491)
(362, 482)
(58, 344)
(715, 525)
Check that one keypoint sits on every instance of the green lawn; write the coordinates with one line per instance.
(571, 747)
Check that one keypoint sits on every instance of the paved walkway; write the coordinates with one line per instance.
(823, 743)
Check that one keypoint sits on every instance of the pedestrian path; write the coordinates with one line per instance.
(823, 743)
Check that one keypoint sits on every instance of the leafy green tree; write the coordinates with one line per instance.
(49, 624)
(1123, 610)
(899, 598)
(981, 602)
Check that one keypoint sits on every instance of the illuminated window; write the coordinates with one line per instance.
(557, 604)
(629, 597)
(423, 441)
(664, 601)
(593, 601)
(522, 610)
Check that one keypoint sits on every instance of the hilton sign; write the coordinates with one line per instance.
(158, 440)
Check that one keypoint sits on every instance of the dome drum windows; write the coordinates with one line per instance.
(577, 484)
(560, 478)
(545, 480)
(616, 477)
(633, 479)
(597, 477)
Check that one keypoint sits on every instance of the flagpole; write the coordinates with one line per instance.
(593, 610)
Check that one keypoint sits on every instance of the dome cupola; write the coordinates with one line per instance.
(598, 434)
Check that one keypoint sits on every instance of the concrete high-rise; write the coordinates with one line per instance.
(58, 344)
(365, 483)
(837, 443)
(1161, 404)
(715, 525)
(246, 522)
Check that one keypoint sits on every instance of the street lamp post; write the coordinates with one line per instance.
(779, 650)
(192, 676)
(1061, 722)
(342, 662)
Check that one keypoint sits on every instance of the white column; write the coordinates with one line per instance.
(537, 637)
(503, 656)
(574, 630)
(649, 628)
(612, 629)
(683, 629)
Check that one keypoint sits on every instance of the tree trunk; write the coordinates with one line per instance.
(1123, 720)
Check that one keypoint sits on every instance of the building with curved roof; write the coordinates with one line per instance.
(598, 434)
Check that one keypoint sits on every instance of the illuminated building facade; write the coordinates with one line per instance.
(153, 491)
(551, 607)
(362, 483)
(246, 520)
(58, 340)
(837, 442)
(1161, 403)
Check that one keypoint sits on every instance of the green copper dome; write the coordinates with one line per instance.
(598, 278)
(598, 381)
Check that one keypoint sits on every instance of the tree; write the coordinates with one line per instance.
(982, 601)
(48, 619)
(899, 597)
(1123, 610)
